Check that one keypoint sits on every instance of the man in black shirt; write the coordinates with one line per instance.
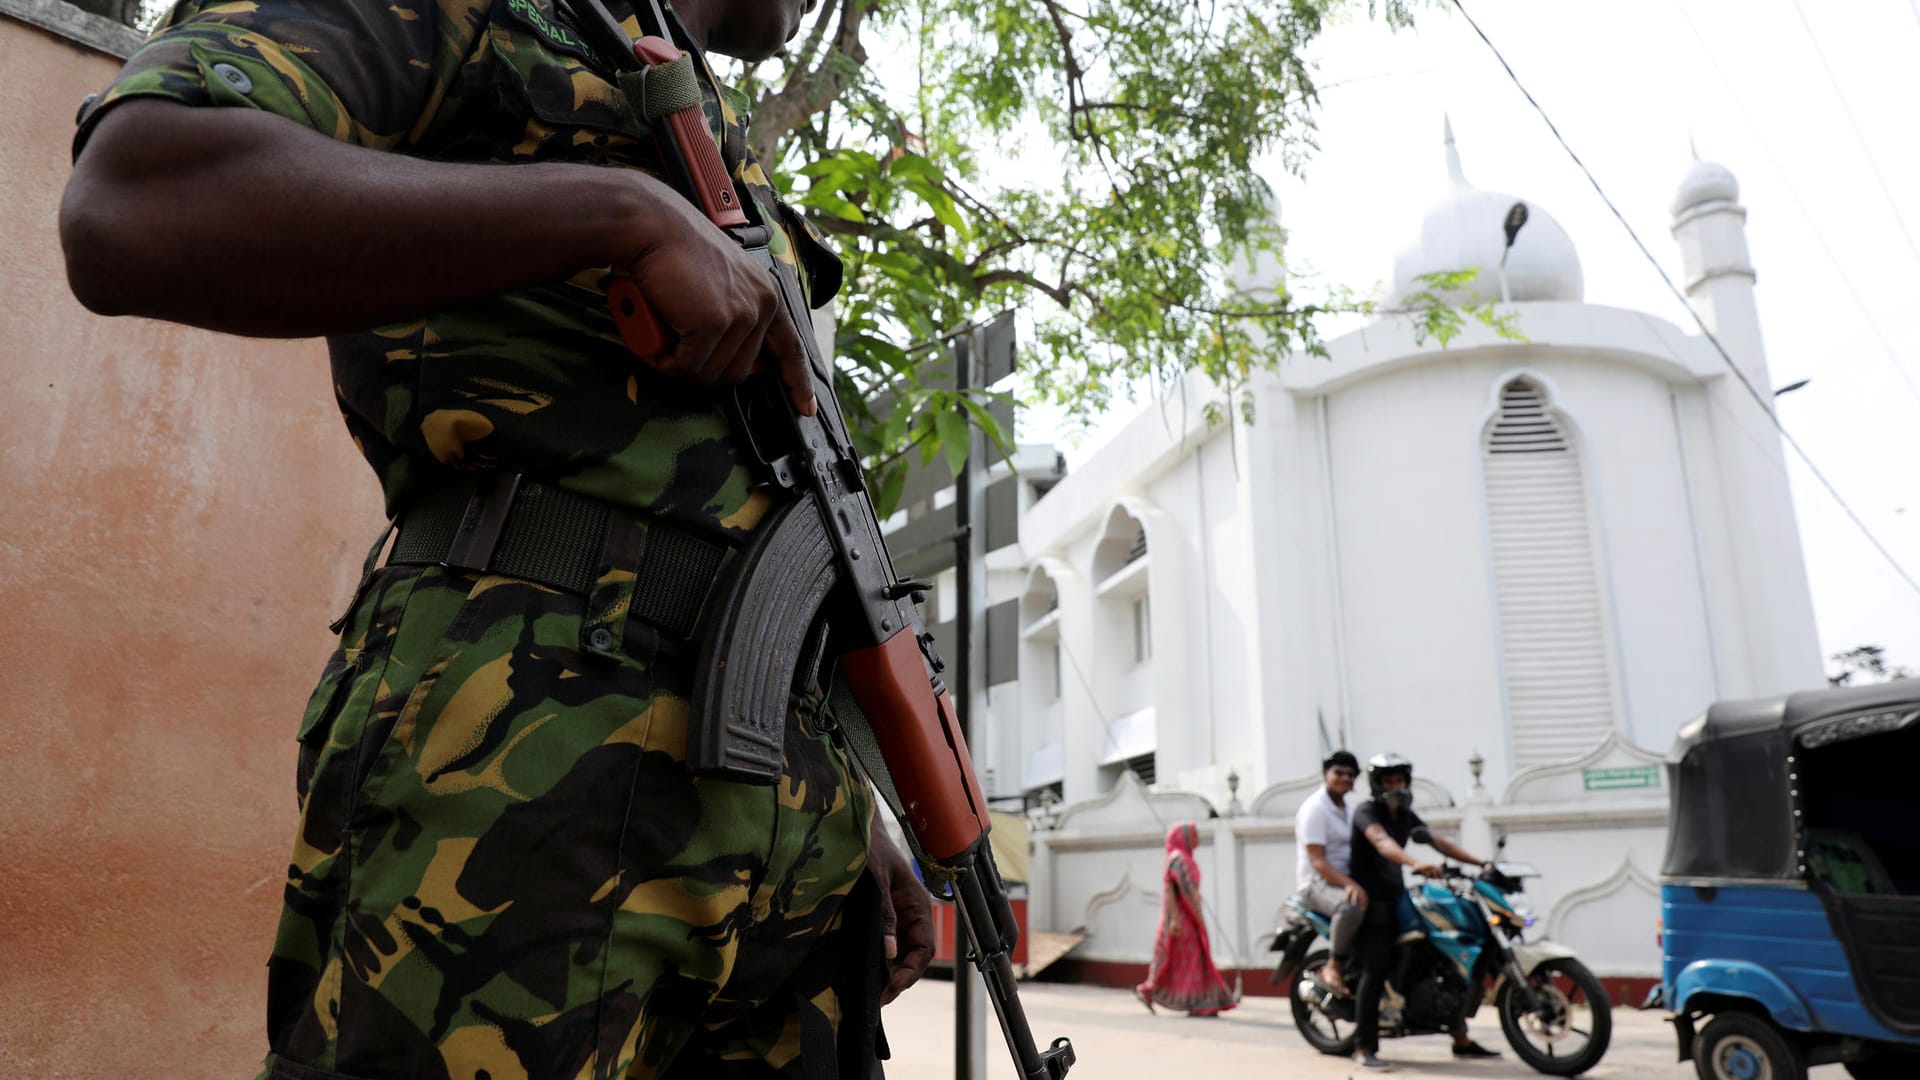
(1381, 828)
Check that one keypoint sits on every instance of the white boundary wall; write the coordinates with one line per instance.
(1097, 870)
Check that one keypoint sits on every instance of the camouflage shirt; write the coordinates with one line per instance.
(532, 381)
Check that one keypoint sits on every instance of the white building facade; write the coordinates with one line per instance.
(1541, 553)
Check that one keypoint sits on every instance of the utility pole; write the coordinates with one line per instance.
(978, 643)
(969, 685)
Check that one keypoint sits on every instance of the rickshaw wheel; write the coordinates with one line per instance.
(1742, 1046)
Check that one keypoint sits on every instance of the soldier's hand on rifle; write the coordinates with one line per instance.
(906, 914)
(723, 311)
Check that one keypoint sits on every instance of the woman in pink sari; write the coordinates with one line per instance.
(1183, 975)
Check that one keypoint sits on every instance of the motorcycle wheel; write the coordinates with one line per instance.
(1741, 1046)
(1569, 1033)
(1322, 1032)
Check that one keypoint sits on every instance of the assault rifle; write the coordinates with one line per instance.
(815, 583)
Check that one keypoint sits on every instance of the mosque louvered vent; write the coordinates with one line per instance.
(1524, 426)
(1547, 589)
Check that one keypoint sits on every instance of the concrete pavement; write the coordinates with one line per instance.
(1114, 1037)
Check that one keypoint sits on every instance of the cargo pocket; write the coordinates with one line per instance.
(323, 707)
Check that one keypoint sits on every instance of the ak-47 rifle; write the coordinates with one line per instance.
(815, 582)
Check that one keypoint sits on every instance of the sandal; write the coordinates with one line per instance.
(1141, 993)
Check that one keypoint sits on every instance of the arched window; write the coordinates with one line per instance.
(1123, 644)
(1553, 636)
(1040, 756)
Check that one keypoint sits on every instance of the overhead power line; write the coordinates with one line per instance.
(1766, 405)
(1858, 135)
(1819, 234)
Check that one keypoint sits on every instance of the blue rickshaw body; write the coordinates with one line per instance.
(1770, 945)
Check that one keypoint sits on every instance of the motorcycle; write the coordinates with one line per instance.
(1461, 941)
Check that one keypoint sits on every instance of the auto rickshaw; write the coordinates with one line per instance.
(1790, 896)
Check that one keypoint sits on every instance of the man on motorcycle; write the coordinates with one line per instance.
(1323, 828)
(1381, 829)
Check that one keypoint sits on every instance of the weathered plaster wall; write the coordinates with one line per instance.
(180, 515)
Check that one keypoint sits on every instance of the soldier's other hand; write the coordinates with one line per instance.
(1356, 895)
(722, 308)
(906, 914)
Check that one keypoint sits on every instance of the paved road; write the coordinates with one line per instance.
(1114, 1037)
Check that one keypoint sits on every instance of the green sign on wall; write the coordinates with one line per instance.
(1621, 777)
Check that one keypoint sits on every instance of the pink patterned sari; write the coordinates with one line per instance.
(1183, 975)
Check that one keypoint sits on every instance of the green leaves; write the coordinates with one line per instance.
(951, 429)
(1435, 314)
(1088, 163)
(924, 180)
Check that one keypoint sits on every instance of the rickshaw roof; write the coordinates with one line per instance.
(1732, 773)
(1787, 716)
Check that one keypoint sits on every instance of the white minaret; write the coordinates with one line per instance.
(1718, 276)
(1768, 578)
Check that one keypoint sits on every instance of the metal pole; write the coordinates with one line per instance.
(975, 490)
(964, 1059)
(970, 587)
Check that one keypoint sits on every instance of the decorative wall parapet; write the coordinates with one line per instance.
(1126, 807)
(1615, 767)
(1119, 892)
(1626, 876)
(1284, 798)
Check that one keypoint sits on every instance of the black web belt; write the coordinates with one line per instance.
(520, 528)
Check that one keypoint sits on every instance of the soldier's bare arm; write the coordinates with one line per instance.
(247, 223)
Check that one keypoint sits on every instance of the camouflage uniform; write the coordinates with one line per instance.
(503, 867)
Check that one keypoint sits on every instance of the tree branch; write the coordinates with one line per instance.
(805, 95)
(1059, 294)
(803, 59)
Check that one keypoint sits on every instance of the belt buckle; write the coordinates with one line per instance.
(480, 527)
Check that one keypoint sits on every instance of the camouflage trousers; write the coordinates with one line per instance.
(504, 869)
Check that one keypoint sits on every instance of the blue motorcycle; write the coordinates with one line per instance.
(1461, 942)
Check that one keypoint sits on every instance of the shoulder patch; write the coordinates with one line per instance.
(546, 23)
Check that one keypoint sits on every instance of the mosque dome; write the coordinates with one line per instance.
(1705, 182)
(1467, 229)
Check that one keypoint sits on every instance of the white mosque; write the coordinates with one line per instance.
(1524, 562)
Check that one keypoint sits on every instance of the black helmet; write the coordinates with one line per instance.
(1379, 767)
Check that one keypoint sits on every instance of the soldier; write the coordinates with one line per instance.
(503, 867)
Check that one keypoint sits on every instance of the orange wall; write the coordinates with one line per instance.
(180, 515)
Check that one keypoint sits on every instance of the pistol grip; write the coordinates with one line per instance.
(639, 327)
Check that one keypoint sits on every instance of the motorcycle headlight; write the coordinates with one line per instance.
(1522, 911)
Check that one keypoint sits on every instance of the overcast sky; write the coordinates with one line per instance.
(1629, 83)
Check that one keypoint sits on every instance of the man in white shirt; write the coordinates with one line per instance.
(1323, 829)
